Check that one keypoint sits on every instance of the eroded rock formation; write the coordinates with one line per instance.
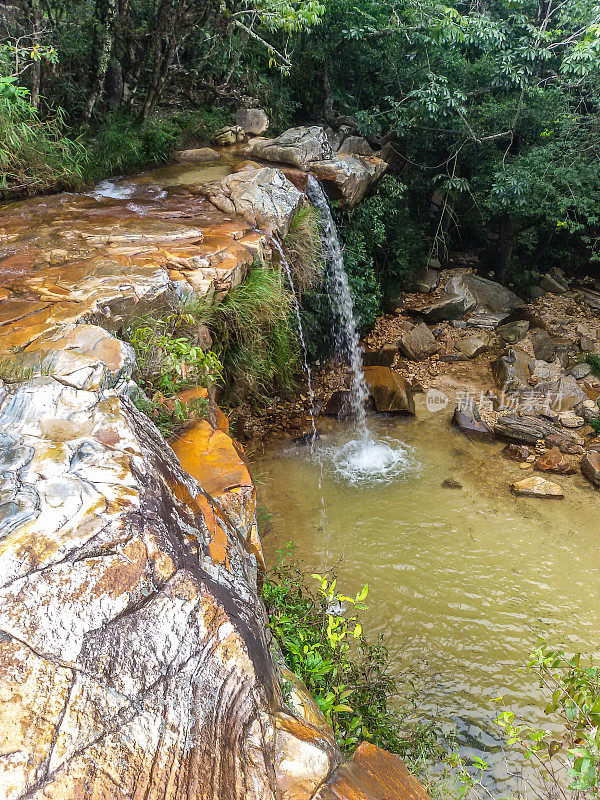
(134, 655)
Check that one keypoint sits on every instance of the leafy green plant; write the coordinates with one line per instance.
(323, 643)
(383, 248)
(593, 359)
(169, 359)
(566, 752)
(168, 362)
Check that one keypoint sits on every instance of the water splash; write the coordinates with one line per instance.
(369, 462)
(347, 338)
(112, 190)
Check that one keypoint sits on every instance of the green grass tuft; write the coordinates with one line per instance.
(254, 336)
(303, 247)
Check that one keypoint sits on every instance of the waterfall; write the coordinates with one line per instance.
(296, 305)
(347, 339)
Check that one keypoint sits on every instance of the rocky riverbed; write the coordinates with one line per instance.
(503, 369)
(135, 659)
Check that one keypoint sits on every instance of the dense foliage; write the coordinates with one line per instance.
(322, 641)
(489, 111)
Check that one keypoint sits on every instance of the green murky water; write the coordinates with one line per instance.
(462, 580)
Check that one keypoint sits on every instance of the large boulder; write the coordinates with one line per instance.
(372, 774)
(487, 295)
(356, 146)
(252, 120)
(418, 343)
(263, 197)
(300, 147)
(511, 370)
(389, 390)
(466, 292)
(349, 178)
(130, 637)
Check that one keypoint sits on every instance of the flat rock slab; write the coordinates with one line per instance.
(537, 487)
(200, 155)
(526, 429)
(471, 347)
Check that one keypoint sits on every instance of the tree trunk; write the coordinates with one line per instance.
(502, 247)
(35, 17)
(106, 11)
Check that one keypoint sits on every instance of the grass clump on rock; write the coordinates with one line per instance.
(254, 337)
(303, 247)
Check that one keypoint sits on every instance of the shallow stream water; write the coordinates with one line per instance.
(462, 581)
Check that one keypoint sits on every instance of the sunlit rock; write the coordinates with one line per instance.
(263, 197)
(537, 487)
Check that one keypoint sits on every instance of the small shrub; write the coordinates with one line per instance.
(170, 359)
(565, 753)
(322, 642)
(593, 359)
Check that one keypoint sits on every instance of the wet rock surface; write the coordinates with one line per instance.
(537, 487)
(134, 656)
(389, 390)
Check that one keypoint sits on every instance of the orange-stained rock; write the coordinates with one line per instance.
(133, 651)
(215, 416)
(217, 462)
(210, 457)
(372, 774)
(389, 390)
(304, 757)
(303, 703)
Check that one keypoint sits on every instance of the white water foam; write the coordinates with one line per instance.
(369, 462)
(113, 190)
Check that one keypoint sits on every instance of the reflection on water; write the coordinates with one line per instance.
(462, 580)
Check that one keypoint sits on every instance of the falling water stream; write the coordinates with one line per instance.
(362, 459)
